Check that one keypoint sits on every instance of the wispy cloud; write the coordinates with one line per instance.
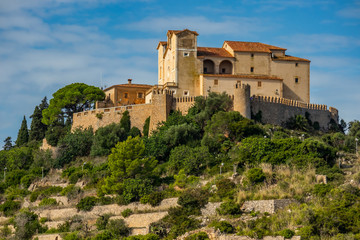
(351, 11)
(226, 25)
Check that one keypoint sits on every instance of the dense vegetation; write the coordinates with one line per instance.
(273, 162)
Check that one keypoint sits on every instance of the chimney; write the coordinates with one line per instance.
(129, 80)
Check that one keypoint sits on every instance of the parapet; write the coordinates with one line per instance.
(290, 102)
(242, 86)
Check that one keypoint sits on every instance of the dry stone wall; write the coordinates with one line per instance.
(269, 206)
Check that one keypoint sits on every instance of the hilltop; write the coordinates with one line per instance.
(197, 176)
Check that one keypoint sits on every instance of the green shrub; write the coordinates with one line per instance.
(287, 233)
(198, 236)
(255, 175)
(193, 200)
(223, 226)
(9, 207)
(72, 236)
(154, 198)
(229, 208)
(27, 180)
(135, 189)
(86, 204)
(118, 228)
(225, 188)
(105, 235)
(48, 202)
(26, 225)
(102, 221)
(322, 189)
(127, 212)
(71, 191)
(149, 236)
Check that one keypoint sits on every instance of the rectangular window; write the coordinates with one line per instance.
(296, 79)
(205, 69)
(140, 95)
(126, 95)
(216, 82)
(259, 83)
(296, 64)
(252, 55)
(252, 69)
(186, 93)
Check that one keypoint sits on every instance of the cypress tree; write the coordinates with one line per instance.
(125, 121)
(23, 135)
(37, 128)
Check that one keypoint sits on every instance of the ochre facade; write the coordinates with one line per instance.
(190, 70)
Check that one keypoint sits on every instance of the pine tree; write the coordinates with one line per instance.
(23, 135)
(8, 143)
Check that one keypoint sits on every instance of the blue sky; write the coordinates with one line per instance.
(45, 45)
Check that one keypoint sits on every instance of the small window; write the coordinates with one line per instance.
(296, 80)
(186, 54)
(140, 95)
(126, 95)
(252, 55)
(296, 64)
(186, 93)
(216, 81)
(252, 69)
(259, 83)
(223, 70)
(205, 69)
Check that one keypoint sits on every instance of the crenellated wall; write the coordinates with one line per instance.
(274, 110)
(278, 110)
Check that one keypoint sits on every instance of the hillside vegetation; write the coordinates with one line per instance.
(210, 155)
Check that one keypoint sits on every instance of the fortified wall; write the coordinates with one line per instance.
(273, 110)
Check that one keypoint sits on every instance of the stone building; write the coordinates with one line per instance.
(124, 94)
(190, 70)
(259, 78)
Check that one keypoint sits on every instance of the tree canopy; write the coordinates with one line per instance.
(76, 97)
(23, 134)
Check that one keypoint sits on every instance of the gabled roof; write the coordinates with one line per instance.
(251, 47)
(176, 32)
(290, 58)
(161, 43)
(133, 85)
(212, 52)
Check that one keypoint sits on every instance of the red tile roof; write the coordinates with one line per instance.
(212, 52)
(290, 58)
(248, 76)
(129, 86)
(251, 46)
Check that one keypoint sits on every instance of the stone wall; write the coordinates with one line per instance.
(269, 206)
(183, 104)
(114, 209)
(104, 116)
(278, 110)
(53, 236)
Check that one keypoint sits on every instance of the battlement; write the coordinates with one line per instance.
(242, 86)
(290, 102)
(158, 91)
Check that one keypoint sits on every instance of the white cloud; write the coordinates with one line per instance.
(227, 25)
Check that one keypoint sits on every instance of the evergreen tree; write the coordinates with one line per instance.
(37, 128)
(125, 121)
(8, 143)
(23, 135)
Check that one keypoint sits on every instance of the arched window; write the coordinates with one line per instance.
(208, 66)
(225, 67)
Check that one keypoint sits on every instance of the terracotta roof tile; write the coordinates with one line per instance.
(251, 46)
(249, 76)
(161, 43)
(290, 58)
(133, 85)
(212, 52)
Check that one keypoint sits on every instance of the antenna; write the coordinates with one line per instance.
(101, 80)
